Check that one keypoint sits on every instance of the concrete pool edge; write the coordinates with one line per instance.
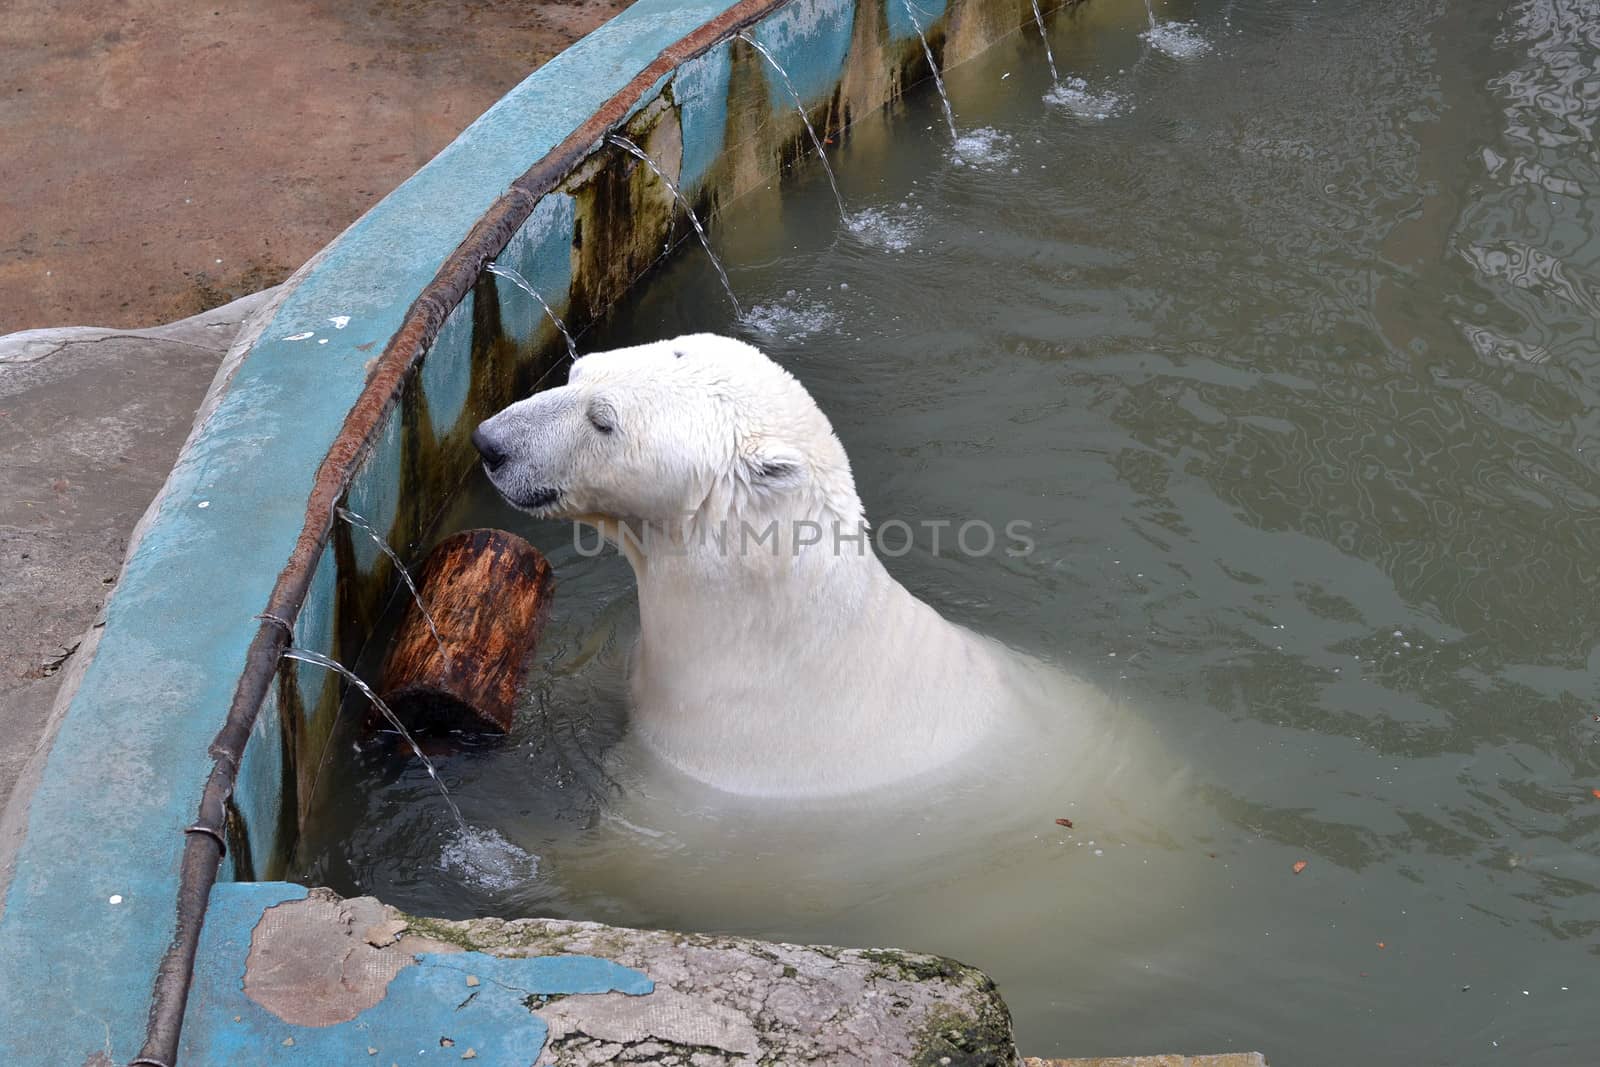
(90, 905)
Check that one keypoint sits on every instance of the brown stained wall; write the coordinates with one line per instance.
(626, 214)
(145, 140)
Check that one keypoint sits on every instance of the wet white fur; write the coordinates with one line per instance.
(806, 672)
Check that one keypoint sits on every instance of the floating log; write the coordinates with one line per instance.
(489, 594)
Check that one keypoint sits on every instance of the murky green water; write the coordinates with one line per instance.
(1291, 360)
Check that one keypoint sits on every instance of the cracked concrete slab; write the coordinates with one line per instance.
(721, 1001)
(294, 974)
(311, 964)
(290, 975)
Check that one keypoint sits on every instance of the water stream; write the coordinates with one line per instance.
(933, 67)
(522, 283)
(378, 539)
(318, 659)
(800, 108)
(1044, 37)
(705, 242)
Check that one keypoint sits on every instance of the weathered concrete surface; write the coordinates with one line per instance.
(330, 982)
(90, 422)
(326, 980)
(729, 1000)
(709, 1001)
(1226, 1059)
(165, 157)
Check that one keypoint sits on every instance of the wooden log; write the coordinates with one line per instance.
(489, 594)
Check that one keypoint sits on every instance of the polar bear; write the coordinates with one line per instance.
(776, 657)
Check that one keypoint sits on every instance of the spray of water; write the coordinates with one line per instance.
(305, 655)
(705, 242)
(1038, 19)
(938, 80)
(405, 575)
(520, 282)
(1180, 40)
(799, 105)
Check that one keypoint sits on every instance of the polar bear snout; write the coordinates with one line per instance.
(491, 451)
(512, 459)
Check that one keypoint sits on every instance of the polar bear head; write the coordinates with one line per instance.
(701, 425)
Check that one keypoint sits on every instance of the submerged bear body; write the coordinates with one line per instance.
(777, 656)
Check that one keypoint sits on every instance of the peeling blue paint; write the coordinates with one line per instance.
(429, 1014)
(313, 627)
(700, 89)
(540, 251)
(811, 38)
(447, 370)
(900, 25)
(258, 790)
(374, 494)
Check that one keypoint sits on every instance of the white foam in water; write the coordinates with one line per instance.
(484, 858)
(793, 319)
(1075, 96)
(1180, 40)
(890, 232)
(984, 146)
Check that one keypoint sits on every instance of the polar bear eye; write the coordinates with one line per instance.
(602, 420)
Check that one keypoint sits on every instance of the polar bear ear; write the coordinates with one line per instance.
(775, 467)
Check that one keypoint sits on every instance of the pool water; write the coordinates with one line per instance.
(1285, 349)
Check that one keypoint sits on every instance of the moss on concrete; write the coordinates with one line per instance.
(954, 1038)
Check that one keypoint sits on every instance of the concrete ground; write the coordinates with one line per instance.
(165, 156)
(163, 159)
(90, 422)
